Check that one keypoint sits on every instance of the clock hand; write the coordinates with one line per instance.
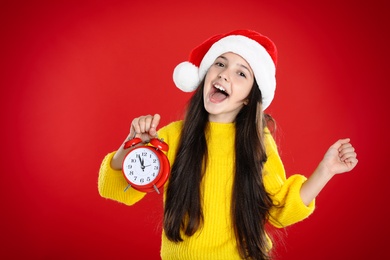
(141, 162)
(143, 166)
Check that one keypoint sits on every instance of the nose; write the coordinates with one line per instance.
(223, 75)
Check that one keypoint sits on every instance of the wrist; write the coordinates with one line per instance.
(324, 171)
(116, 162)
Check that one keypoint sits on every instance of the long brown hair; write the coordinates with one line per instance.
(250, 201)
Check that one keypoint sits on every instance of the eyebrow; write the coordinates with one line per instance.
(241, 65)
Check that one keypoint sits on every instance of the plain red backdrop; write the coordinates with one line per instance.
(75, 73)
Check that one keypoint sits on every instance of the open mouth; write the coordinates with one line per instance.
(218, 94)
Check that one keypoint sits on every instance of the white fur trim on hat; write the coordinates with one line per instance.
(254, 53)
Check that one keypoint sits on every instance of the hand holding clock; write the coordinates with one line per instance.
(134, 153)
(144, 127)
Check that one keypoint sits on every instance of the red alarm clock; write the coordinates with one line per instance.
(146, 168)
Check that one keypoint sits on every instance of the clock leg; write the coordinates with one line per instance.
(127, 187)
(156, 189)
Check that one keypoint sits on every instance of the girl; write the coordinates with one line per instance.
(227, 180)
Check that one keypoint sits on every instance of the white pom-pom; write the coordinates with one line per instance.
(186, 76)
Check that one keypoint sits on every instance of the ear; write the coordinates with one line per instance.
(246, 101)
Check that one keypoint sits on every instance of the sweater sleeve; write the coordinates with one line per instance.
(288, 207)
(112, 184)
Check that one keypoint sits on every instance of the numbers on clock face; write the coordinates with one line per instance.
(141, 166)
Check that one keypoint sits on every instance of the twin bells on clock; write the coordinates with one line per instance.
(146, 168)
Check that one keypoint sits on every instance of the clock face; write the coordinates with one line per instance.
(141, 166)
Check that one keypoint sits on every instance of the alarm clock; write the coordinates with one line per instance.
(146, 168)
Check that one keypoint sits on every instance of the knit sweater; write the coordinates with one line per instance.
(216, 239)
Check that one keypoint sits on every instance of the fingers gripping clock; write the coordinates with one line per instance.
(146, 168)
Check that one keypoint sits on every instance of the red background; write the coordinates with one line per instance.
(75, 73)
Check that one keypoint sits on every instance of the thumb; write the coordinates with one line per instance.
(154, 124)
(153, 132)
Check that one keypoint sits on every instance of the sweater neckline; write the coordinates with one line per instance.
(221, 129)
(223, 126)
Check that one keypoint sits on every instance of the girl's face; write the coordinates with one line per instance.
(227, 86)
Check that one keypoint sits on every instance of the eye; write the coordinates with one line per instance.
(219, 64)
(242, 74)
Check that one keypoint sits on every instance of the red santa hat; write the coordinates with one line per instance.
(258, 50)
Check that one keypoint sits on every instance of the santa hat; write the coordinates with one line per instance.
(258, 50)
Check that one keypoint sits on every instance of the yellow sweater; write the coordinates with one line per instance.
(215, 240)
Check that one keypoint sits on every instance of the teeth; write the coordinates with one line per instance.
(220, 88)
